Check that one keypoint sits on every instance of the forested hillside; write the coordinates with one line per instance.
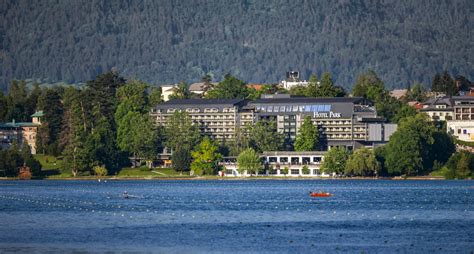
(258, 41)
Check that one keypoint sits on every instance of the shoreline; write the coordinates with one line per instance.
(253, 178)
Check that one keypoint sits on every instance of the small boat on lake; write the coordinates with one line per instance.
(320, 194)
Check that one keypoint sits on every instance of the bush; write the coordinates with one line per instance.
(100, 170)
(305, 170)
(284, 171)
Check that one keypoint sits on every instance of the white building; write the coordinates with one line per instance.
(439, 109)
(167, 90)
(462, 125)
(283, 163)
(292, 80)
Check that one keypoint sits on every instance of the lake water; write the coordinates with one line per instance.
(253, 216)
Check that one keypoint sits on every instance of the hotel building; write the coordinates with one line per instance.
(350, 122)
(20, 132)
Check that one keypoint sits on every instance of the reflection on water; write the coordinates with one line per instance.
(236, 216)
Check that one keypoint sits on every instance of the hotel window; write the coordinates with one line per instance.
(295, 108)
(288, 108)
(171, 110)
(282, 108)
(295, 171)
(276, 109)
(270, 109)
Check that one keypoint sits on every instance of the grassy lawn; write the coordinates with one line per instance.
(49, 162)
(145, 172)
(51, 168)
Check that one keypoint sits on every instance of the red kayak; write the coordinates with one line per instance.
(320, 194)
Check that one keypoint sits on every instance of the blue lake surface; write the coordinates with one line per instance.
(251, 216)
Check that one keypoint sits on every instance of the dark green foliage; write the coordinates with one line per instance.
(180, 132)
(249, 161)
(416, 93)
(181, 159)
(370, 86)
(308, 136)
(29, 160)
(263, 136)
(167, 41)
(51, 104)
(3, 107)
(12, 159)
(155, 96)
(102, 93)
(363, 162)
(402, 112)
(16, 101)
(415, 146)
(335, 160)
(460, 166)
(444, 83)
(230, 88)
(181, 92)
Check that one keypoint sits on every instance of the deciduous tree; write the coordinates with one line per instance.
(205, 158)
(248, 161)
(335, 160)
(308, 136)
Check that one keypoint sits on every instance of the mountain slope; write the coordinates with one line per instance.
(170, 41)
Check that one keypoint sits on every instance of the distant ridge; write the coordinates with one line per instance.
(258, 41)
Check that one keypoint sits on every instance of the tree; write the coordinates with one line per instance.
(313, 86)
(155, 96)
(229, 88)
(102, 92)
(408, 151)
(3, 107)
(205, 158)
(16, 101)
(402, 112)
(362, 163)
(335, 160)
(181, 92)
(308, 136)
(370, 86)
(436, 85)
(416, 93)
(447, 84)
(240, 142)
(181, 132)
(263, 136)
(29, 160)
(181, 158)
(132, 97)
(305, 170)
(248, 161)
(459, 165)
(100, 170)
(10, 161)
(75, 131)
(298, 91)
(136, 135)
(207, 80)
(49, 132)
(32, 100)
(135, 130)
(327, 88)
